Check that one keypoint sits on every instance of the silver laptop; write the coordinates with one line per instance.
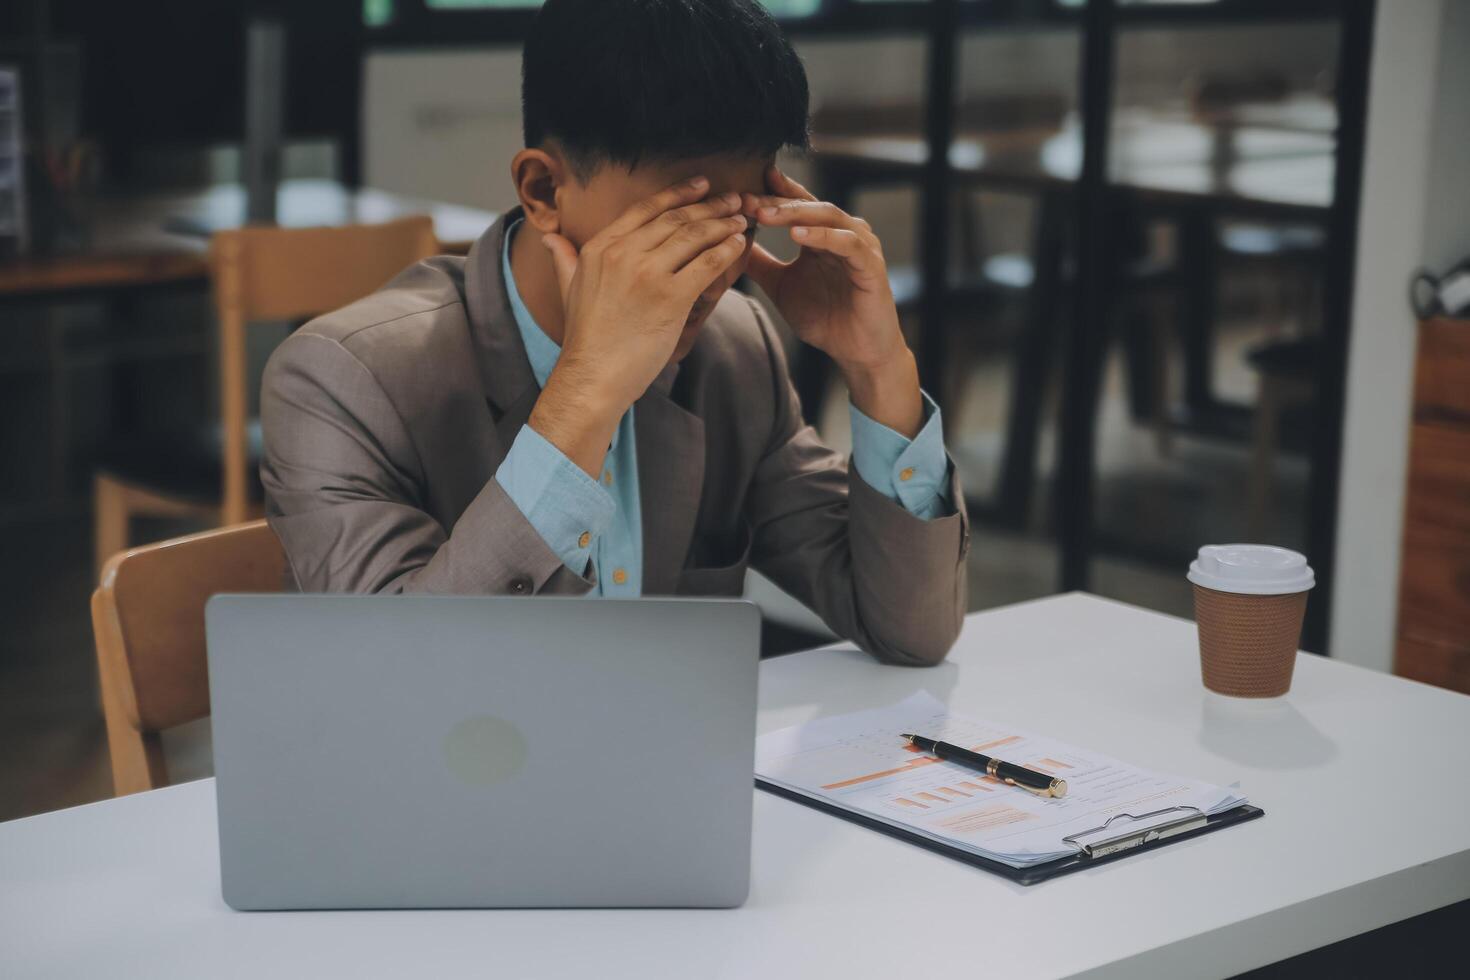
(458, 751)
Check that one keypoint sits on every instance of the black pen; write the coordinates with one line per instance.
(1007, 772)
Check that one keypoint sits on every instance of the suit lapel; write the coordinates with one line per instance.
(670, 482)
(504, 368)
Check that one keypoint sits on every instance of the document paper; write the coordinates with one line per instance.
(859, 762)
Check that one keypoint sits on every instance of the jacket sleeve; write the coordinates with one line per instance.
(343, 487)
(892, 582)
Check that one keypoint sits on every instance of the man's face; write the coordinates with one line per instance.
(587, 208)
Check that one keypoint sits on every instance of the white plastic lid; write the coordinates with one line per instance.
(1251, 569)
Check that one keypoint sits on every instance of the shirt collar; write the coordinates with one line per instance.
(541, 350)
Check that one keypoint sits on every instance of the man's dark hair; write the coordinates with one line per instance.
(621, 81)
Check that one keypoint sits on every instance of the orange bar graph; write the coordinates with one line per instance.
(911, 764)
(973, 821)
(1000, 741)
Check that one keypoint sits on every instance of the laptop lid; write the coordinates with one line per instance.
(464, 751)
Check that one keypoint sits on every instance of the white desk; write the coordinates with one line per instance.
(130, 887)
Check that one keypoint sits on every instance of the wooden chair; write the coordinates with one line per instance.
(148, 620)
(1286, 371)
(209, 472)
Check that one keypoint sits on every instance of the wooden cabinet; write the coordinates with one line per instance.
(1434, 575)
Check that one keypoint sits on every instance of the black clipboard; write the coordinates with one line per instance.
(1092, 855)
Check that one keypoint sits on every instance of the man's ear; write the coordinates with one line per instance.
(538, 176)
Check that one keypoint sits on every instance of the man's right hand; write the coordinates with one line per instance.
(626, 298)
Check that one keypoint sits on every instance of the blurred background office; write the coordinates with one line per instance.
(1153, 255)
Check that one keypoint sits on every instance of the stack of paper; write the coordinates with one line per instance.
(858, 762)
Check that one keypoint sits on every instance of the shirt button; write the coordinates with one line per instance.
(906, 474)
(520, 585)
(585, 539)
(620, 577)
(607, 477)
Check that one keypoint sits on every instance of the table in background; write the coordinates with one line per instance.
(139, 240)
(1248, 162)
(148, 244)
(130, 887)
(1270, 162)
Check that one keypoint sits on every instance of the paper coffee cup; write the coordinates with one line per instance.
(1249, 600)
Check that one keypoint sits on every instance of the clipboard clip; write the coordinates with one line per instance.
(1133, 838)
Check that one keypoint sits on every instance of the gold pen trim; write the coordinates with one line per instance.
(1056, 789)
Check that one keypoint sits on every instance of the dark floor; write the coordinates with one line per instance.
(52, 747)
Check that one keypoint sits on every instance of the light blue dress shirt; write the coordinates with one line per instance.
(567, 507)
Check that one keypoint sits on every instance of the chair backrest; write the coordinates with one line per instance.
(148, 620)
(265, 273)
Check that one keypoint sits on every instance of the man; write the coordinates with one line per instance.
(583, 406)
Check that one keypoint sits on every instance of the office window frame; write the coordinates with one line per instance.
(415, 24)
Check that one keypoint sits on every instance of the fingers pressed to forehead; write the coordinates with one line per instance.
(751, 203)
(709, 265)
(684, 192)
(659, 229)
(688, 241)
(820, 213)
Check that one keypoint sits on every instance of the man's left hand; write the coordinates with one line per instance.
(836, 297)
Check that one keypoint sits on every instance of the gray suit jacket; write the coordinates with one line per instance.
(386, 420)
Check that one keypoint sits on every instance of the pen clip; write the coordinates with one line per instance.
(1030, 789)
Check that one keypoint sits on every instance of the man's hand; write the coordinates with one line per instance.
(627, 295)
(836, 297)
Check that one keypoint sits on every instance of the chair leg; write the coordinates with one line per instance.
(1161, 327)
(110, 518)
(1263, 458)
(234, 511)
(1031, 371)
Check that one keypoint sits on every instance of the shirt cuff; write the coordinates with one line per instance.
(913, 472)
(566, 506)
